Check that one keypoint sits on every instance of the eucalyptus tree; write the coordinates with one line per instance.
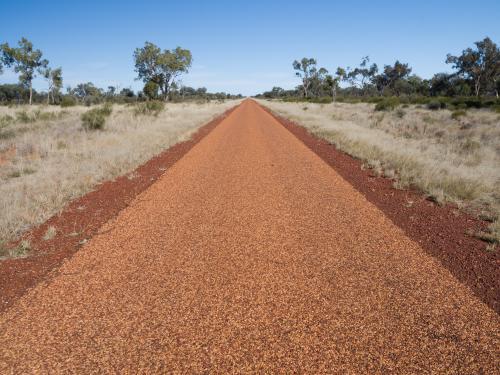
(54, 80)
(391, 76)
(161, 67)
(306, 70)
(26, 61)
(361, 77)
(480, 65)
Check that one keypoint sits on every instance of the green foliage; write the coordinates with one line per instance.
(311, 76)
(480, 66)
(387, 104)
(95, 119)
(54, 80)
(25, 117)
(434, 105)
(25, 60)
(151, 90)
(161, 67)
(6, 120)
(319, 100)
(458, 113)
(149, 108)
(68, 101)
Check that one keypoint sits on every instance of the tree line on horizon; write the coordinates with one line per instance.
(158, 69)
(476, 73)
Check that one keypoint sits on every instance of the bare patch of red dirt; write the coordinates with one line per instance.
(440, 230)
(7, 155)
(83, 217)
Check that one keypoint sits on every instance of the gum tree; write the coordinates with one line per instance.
(480, 65)
(306, 70)
(54, 81)
(26, 61)
(161, 67)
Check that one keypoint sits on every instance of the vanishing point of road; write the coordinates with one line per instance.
(250, 254)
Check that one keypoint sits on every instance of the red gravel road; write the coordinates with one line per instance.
(250, 254)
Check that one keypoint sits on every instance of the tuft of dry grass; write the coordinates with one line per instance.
(450, 156)
(19, 251)
(50, 233)
(47, 159)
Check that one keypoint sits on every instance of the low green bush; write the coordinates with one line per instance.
(149, 108)
(68, 101)
(95, 118)
(25, 117)
(434, 105)
(6, 120)
(387, 104)
(458, 113)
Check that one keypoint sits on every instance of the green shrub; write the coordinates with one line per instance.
(321, 100)
(68, 101)
(6, 120)
(25, 117)
(458, 113)
(95, 118)
(387, 104)
(107, 109)
(149, 108)
(47, 116)
(434, 105)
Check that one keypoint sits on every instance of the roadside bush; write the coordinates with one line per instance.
(434, 105)
(387, 104)
(321, 100)
(458, 113)
(149, 108)
(95, 119)
(68, 101)
(6, 120)
(25, 117)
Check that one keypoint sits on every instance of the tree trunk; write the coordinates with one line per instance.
(31, 92)
(477, 85)
(48, 97)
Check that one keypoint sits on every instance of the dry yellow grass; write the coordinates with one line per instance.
(451, 159)
(47, 162)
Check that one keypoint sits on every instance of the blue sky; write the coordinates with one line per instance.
(244, 46)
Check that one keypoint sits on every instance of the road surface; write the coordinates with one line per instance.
(250, 254)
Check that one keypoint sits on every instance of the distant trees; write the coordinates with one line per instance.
(158, 69)
(26, 61)
(54, 81)
(393, 77)
(154, 66)
(480, 65)
(477, 72)
(363, 76)
(308, 72)
(85, 92)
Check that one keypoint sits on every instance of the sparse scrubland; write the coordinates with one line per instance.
(49, 155)
(450, 155)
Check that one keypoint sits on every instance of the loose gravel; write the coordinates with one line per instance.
(250, 254)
